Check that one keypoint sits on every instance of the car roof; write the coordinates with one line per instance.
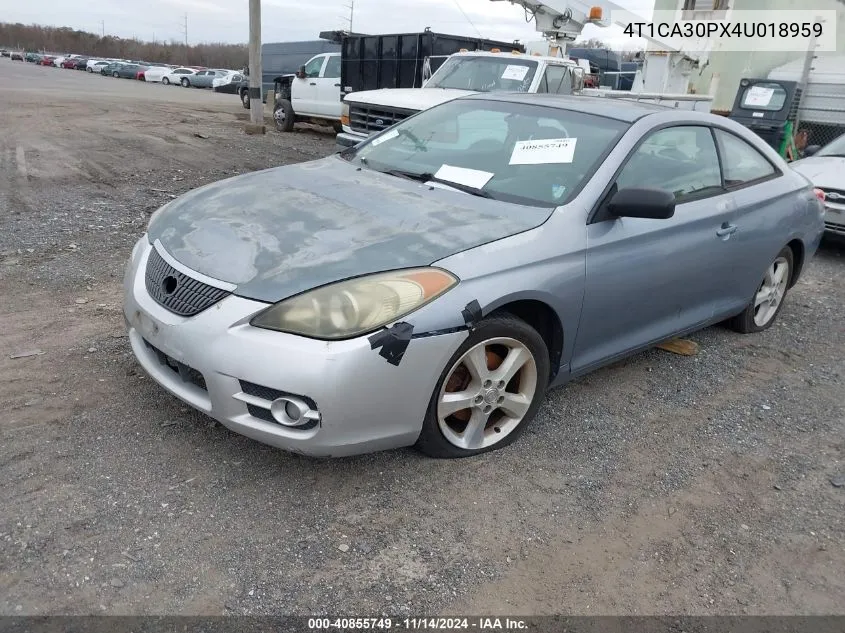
(620, 109)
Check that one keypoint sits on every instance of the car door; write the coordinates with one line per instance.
(760, 213)
(649, 279)
(328, 88)
(305, 90)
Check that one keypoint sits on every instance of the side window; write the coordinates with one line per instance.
(332, 67)
(556, 81)
(741, 162)
(313, 67)
(682, 160)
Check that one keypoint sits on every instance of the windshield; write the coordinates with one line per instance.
(485, 74)
(526, 154)
(834, 148)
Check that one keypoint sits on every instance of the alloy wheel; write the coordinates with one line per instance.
(771, 292)
(487, 393)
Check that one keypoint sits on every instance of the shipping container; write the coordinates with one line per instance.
(372, 62)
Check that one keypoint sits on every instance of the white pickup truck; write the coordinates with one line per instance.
(312, 94)
(371, 111)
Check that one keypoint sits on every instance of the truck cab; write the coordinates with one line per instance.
(311, 94)
(371, 111)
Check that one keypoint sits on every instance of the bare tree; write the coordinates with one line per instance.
(33, 37)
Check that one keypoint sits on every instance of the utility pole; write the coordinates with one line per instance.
(351, 7)
(102, 28)
(185, 30)
(256, 107)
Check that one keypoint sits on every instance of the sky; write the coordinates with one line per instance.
(290, 20)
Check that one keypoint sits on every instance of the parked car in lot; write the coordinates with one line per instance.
(46, 60)
(5, 53)
(179, 76)
(111, 69)
(427, 286)
(96, 65)
(155, 74)
(16, 56)
(74, 62)
(228, 83)
(825, 168)
(204, 78)
(128, 71)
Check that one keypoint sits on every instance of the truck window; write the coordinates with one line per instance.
(314, 66)
(332, 67)
(764, 96)
(556, 80)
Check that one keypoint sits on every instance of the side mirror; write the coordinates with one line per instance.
(578, 79)
(811, 149)
(301, 72)
(637, 202)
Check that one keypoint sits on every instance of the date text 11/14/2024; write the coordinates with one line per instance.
(417, 624)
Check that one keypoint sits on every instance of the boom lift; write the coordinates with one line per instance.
(664, 71)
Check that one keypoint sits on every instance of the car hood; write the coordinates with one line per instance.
(823, 171)
(407, 98)
(278, 232)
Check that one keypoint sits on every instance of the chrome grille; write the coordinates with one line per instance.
(176, 291)
(837, 192)
(839, 229)
(370, 120)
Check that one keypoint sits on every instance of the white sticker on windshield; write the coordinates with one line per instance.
(515, 72)
(385, 137)
(759, 115)
(759, 96)
(462, 176)
(543, 151)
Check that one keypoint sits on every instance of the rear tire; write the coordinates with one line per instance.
(495, 407)
(185, 82)
(165, 81)
(763, 309)
(115, 75)
(284, 116)
(245, 99)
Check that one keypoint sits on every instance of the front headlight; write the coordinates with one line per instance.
(344, 114)
(356, 306)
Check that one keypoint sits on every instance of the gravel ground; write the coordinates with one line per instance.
(662, 484)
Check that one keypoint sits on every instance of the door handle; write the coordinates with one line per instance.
(313, 83)
(338, 85)
(727, 230)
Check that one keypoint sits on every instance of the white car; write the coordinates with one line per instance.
(96, 65)
(58, 61)
(824, 167)
(231, 77)
(156, 73)
(178, 76)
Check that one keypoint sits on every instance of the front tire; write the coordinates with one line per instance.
(763, 309)
(283, 116)
(245, 99)
(185, 82)
(165, 81)
(489, 391)
(115, 75)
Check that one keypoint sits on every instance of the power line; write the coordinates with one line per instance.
(460, 8)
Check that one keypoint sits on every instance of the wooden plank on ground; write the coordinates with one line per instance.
(681, 346)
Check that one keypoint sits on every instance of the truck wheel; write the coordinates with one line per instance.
(337, 126)
(284, 116)
(245, 99)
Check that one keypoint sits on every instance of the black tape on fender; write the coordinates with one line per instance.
(472, 313)
(393, 342)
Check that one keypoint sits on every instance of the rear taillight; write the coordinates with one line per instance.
(819, 194)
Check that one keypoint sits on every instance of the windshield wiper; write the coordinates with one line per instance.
(429, 177)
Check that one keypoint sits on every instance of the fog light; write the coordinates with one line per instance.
(290, 411)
